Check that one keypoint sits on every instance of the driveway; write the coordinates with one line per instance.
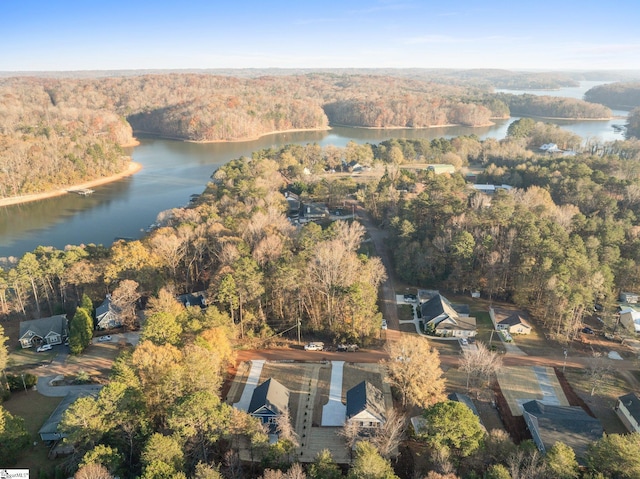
(45, 388)
(334, 412)
(250, 384)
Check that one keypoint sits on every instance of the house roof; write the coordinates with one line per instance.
(43, 326)
(193, 299)
(514, 319)
(444, 316)
(632, 403)
(50, 426)
(271, 394)
(106, 306)
(568, 424)
(365, 396)
(462, 323)
(437, 306)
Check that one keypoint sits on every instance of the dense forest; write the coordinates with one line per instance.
(623, 95)
(71, 130)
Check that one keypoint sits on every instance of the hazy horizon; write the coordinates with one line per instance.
(68, 35)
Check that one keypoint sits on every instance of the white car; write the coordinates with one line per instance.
(464, 342)
(44, 347)
(104, 339)
(314, 347)
(384, 324)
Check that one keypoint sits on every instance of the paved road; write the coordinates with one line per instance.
(387, 289)
(44, 387)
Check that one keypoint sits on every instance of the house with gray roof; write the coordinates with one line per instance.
(365, 406)
(444, 319)
(36, 332)
(193, 299)
(628, 410)
(108, 315)
(269, 400)
(570, 425)
(49, 430)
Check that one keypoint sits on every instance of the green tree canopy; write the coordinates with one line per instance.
(369, 464)
(452, 425)
(616, 456)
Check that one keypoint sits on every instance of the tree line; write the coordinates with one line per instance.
(71, 130)
(621, 95)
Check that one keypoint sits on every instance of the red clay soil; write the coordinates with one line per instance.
(515, 425)
(572, 397)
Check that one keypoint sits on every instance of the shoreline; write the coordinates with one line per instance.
(132, 169)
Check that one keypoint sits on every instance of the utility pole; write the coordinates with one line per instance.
(564, 351)
(298, 331)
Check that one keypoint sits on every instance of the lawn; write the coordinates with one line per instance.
(20, 358)
(35, 409)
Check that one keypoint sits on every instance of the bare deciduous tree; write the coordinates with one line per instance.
(599, 371)
(93, 471)
(479, 364)
(350, 432)
(388, 437)
(124, 298)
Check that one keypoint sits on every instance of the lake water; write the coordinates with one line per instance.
(173, 171)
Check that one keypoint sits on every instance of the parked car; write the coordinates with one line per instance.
(104, 339)
(464, 342)
(384, 324)
(587, 330)
(44, 347)
(411, 298)
(350, 348)
(314, 347)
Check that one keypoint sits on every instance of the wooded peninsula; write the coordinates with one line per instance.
(72, 130)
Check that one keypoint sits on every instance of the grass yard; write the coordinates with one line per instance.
(405, 312)
(35, 409)
(605, 398)
(20, 358)
(96, 360)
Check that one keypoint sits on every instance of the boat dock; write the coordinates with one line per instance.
(82, 191)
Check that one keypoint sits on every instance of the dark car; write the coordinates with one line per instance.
(351, 348)
(587, 330)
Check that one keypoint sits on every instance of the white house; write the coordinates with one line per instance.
(628, 410)
(630, 319)
(511, 321)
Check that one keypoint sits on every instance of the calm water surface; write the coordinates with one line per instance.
(173, 171)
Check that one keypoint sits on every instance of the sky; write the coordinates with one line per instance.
(70, 35)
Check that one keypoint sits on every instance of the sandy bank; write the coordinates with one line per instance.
(14, 200)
